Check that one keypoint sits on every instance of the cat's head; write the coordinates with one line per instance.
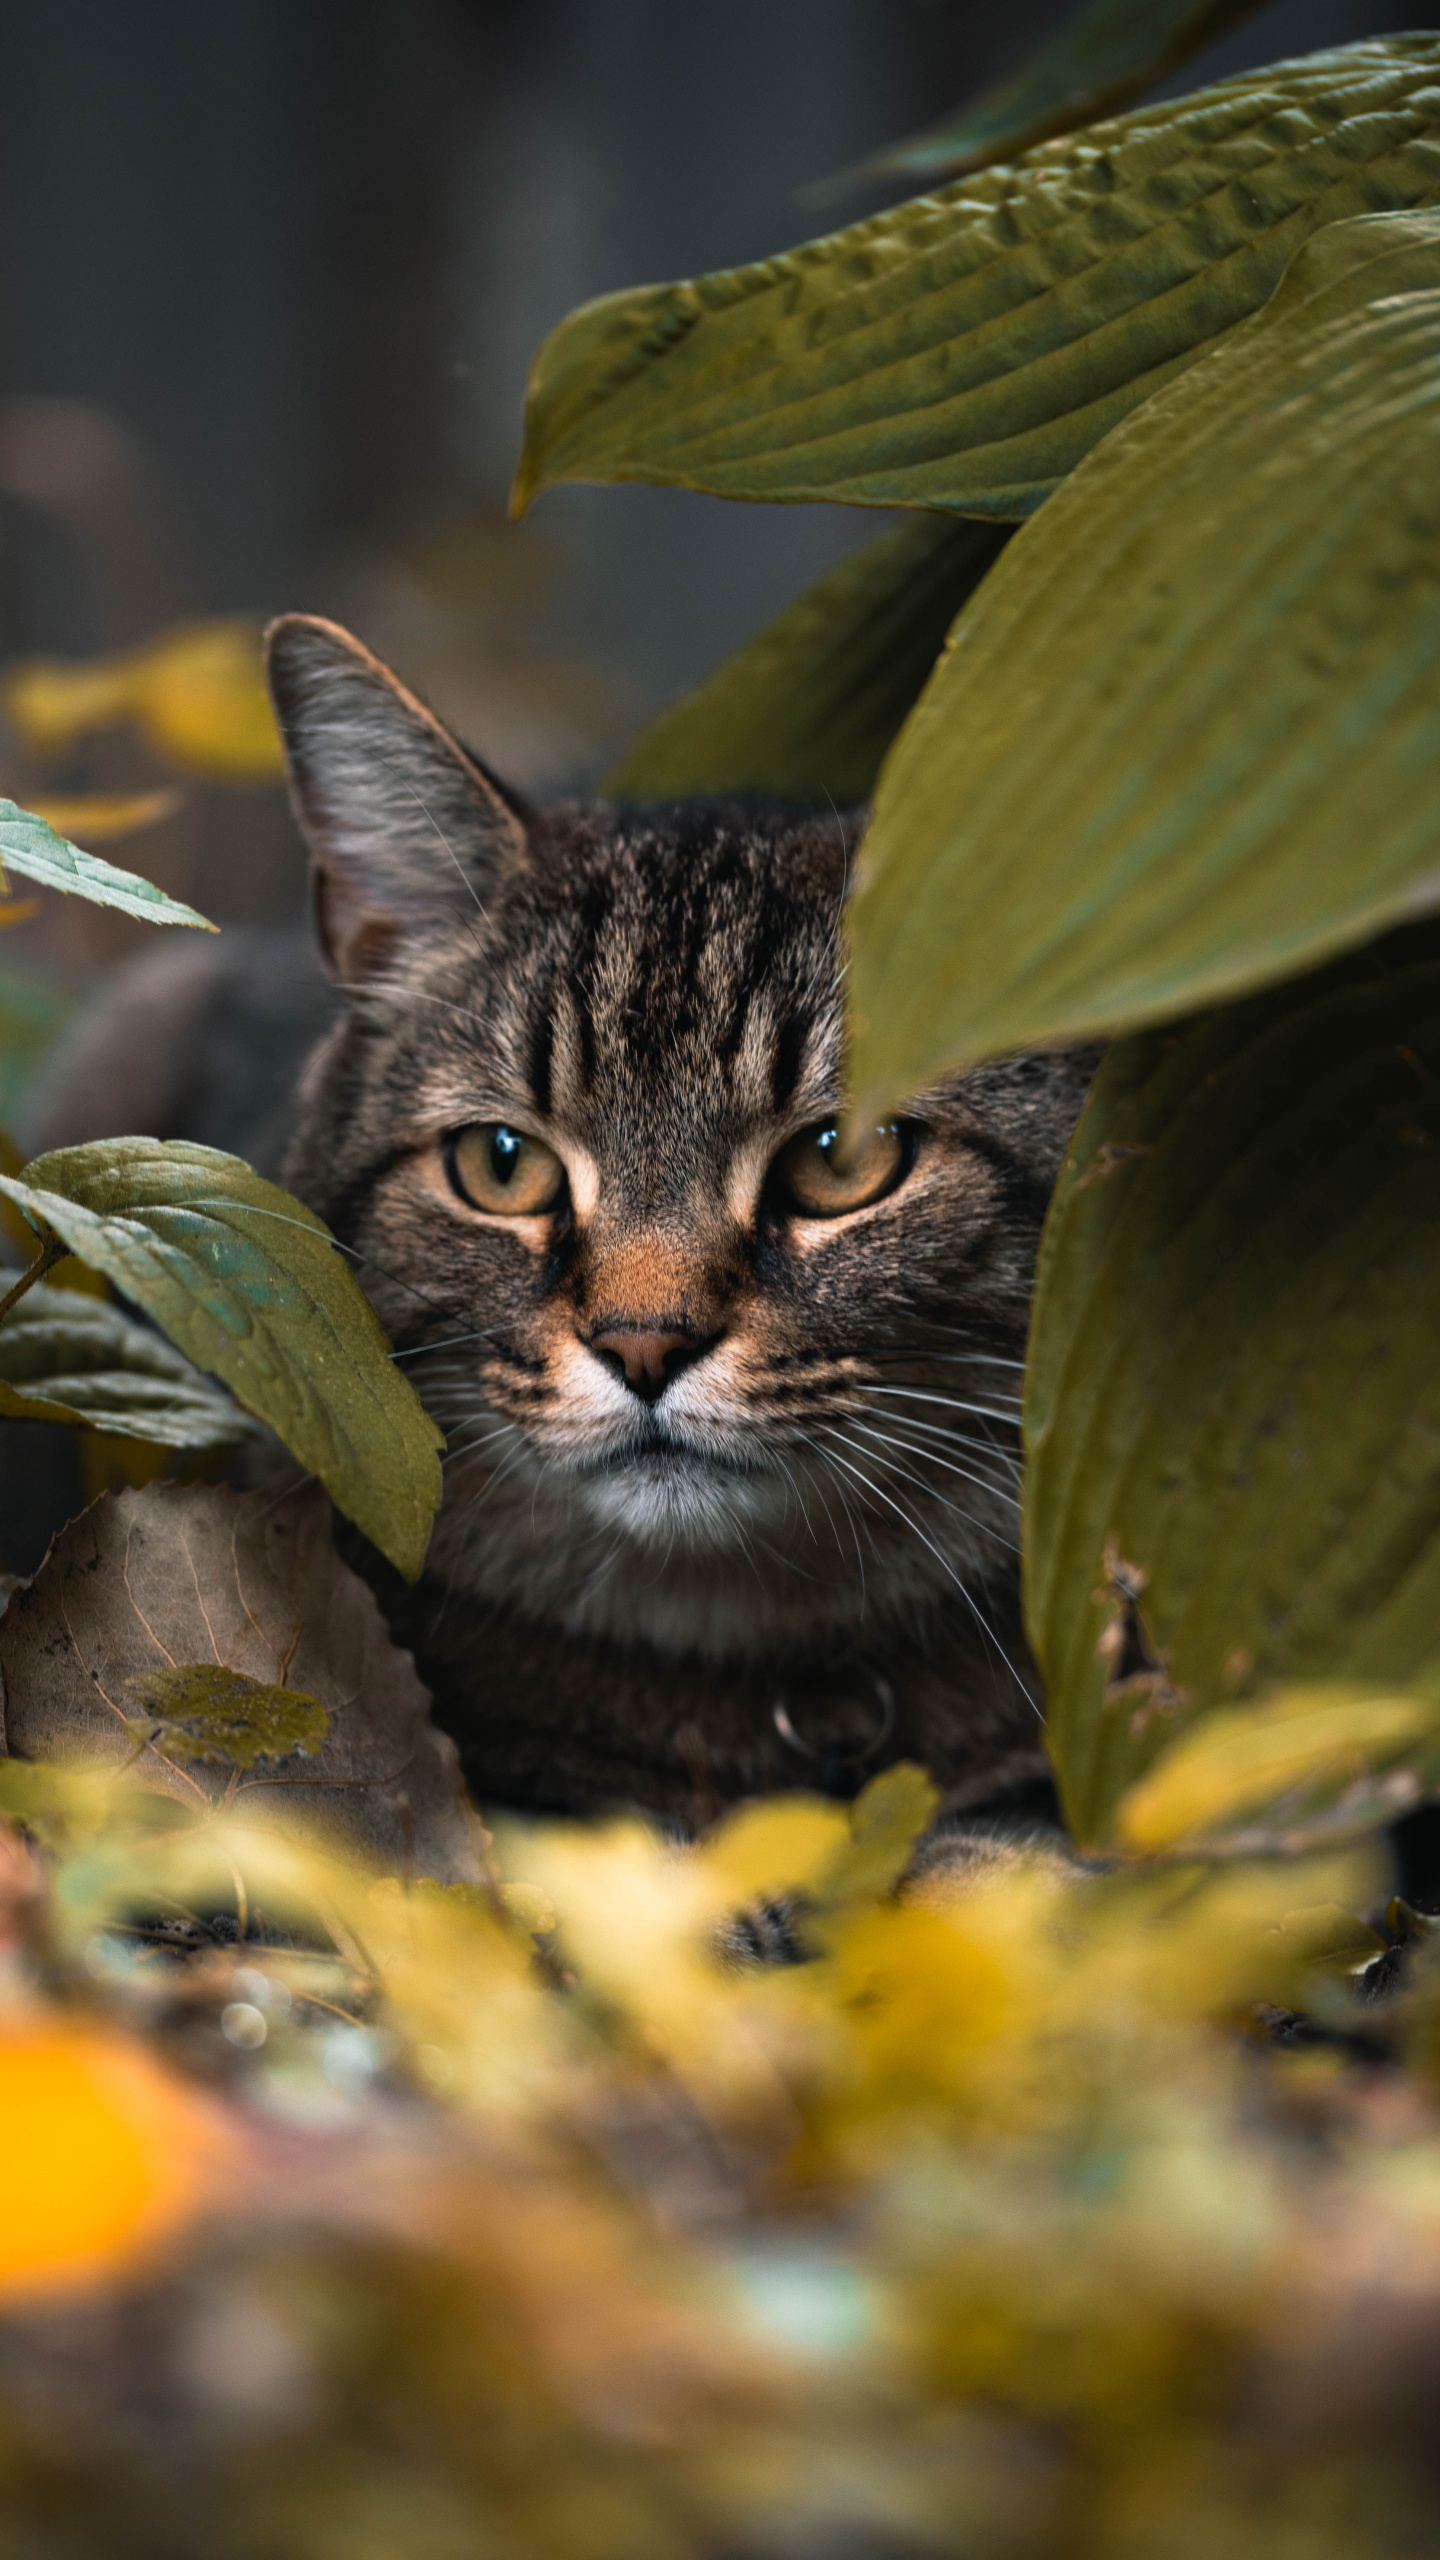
(702, 1377)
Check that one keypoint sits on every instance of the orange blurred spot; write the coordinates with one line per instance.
(102, 2154)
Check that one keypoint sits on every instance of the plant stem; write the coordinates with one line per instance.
(51, 1252)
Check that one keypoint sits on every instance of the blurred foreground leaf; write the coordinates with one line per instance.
(1098, 59)
(197, 696)
(232, 1620)
(248, 1283)
(1233, 1416)
(31, 847)
(965, 350)
(69, 1357)
(1310, 1767)
(1190, 690)
(806, 710)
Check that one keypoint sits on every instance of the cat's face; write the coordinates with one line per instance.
(699, 1369)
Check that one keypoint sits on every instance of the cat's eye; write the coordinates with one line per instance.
(822, 1178)
(498, 1168)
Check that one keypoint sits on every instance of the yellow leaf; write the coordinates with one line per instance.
(781, 1845)
(197, 696)
(98, 817)
(1337, 1747)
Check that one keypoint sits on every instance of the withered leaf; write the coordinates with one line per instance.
(148, 1585)
(204, 1711)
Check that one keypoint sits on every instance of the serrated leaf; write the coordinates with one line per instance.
(1098, 59)
(1182, 740)
(1305, 1770)
(29, 846)
(250, 1286)
(967, 349)
(1233, 1399)
(65, 1357)
(205, 1711)
(197, 695)
(806, 710)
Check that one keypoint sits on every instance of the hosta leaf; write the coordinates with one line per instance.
(248, 1283)
(1097, 60)
(31, 847)
(966, 349)
(68, 1358)
(1184, 737)
(1315, 1766)
(197, 695)
(205, 1711)
(1233, 1406)
(806, 710)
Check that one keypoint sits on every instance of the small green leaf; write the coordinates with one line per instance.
(31, 847)
(806, 710)
(67, 1358)
(966, 349)
(886, 1820)
(1233, 1397)
(202, 1711)
(1183, 738)
(249, 1285)
(1098, 59)
(1311, 1768)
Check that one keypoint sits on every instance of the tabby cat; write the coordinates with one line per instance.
(730, 1489)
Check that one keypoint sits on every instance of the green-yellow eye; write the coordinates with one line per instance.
(822, 1181)
(498, 1168)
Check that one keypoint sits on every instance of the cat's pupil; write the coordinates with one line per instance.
(505, 1148)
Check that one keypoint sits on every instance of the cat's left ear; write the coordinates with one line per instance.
(404, 827)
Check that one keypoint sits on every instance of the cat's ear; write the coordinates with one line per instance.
(403, 826)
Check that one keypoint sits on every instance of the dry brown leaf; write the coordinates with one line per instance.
(186, 1574)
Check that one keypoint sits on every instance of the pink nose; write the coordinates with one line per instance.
(646, 1358)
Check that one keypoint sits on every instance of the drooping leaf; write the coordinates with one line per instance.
(249, 1285)
(1098, 59)
(68, 1357)
(205, 1711)
(1309, 1768)
(197, 695)
(1233, 1402)
(966, 349)
(1183, 739)
(145, 1587)
(806, 710)
(31, 847)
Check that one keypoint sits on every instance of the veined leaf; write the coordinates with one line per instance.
(31, 847)
(65, 1357)
(806, 709)
(1099, 58)
(966, 349)
(1306, 1770)
(1184, 738)
(197, 695)
(249, 1284)
(1233, 1401)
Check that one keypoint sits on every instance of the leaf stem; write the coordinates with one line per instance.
(51, 1252)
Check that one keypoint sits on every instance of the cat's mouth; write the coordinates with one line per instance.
(661, 1459)
(664, 1488)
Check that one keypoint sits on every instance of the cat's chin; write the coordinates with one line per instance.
(676, 1496)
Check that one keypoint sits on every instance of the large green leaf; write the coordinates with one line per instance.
(28, 844)
(1186, 736)
(1233, 1406)
(806, 709)
(250, 1286)
(966, 349)
(68, 1358)
(1098, 59)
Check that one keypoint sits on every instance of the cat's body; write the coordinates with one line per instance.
(730, 1490)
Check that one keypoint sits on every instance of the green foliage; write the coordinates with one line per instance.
(967, 349)
(806, 710)
(249, 1285)
(30, 846)
(1098, 59)
(68, 1358)
(1225, 629)
(1233, 1406)
(204, 1711)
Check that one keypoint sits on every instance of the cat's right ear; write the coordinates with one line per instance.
(404, 827)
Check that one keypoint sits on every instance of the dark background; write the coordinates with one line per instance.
(270, 275)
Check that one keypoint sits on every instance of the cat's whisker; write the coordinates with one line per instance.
(927, 1395)
(944, 1562)
(983, 1483)
(423, 1350)
(907, 1475)
(945, 1435)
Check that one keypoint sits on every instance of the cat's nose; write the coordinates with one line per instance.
(646, 1358)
